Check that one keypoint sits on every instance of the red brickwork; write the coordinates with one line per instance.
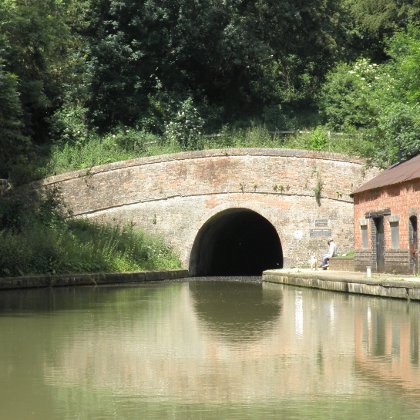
(341, 264)
(174, 196)
(396, 204)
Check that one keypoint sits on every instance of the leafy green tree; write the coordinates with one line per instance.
(383, 17)
(370, 23)
(13, 144)
(399, 124)
(404, 49)
(38, 37)
(397, 135)
(236, 54)
(349, 96)
(381, 101)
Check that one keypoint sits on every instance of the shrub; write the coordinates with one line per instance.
(399, 131)
(318, 139)
(274, 117)
(68, 125)
(134, 141)
(186, 127)
(381, 101)
(37, 238)
(347, 98)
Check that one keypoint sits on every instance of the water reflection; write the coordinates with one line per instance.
(261, 347)
(298, 314)
(236, 311)
(165, 352)
(387, 344)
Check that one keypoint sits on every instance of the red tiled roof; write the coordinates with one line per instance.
(401, 172)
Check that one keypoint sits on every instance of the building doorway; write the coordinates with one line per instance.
(413, 244)
(379, 244)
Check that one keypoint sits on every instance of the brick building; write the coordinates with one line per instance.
(386, 211)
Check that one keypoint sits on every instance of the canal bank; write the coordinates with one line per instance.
(92, 279)
(382, 285)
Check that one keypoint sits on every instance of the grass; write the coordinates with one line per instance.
(98, 150)
(349, 255)
(37, 239)
(122, 146)
(81, 247)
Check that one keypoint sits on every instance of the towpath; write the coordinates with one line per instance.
(383, 285)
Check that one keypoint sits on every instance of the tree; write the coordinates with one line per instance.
(235, 55)
(38, 39)
(381, 101)
(371, 23)
(13, 144)
(399, 125)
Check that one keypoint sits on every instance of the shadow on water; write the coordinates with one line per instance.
(237, 308)
(25, 302)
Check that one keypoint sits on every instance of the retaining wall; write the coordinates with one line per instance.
(404, 288)
(88, 279)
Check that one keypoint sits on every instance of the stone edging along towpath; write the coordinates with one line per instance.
(384, 285)
(88, 279)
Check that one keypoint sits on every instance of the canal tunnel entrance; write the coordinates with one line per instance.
(236, 242)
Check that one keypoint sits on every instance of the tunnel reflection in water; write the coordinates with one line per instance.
(236, 242)
(236, 311)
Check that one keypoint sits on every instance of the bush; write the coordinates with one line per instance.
(348, 96)
(134, 141)
(37, 238)
(382, 101)
(186, 127)
(15, 213)
(318, 139)
(68, 125)
(274, 118)
(399, 129)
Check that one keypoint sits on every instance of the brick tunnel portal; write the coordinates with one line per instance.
(236, 242)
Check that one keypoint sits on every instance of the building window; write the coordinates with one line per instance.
(364, 230)
(395, 235)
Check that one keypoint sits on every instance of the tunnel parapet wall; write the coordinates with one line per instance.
(304, 195)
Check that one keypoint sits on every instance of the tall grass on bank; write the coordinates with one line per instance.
(39, 240)
(318, 138)
(99, 150)
(130, 144)
(81, 247)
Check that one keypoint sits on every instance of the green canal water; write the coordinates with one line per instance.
(222, 349)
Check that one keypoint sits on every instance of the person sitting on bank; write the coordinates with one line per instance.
(332, 252)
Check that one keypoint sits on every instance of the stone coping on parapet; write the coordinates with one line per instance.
(200, 154)
(93, 279)
(382, 285)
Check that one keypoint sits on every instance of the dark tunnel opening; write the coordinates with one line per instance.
(236, 242)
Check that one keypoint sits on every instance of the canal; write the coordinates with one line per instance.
(231, 348)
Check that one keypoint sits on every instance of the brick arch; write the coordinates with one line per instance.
(173, 196)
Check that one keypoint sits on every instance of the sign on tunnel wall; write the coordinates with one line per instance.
(320, 233)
